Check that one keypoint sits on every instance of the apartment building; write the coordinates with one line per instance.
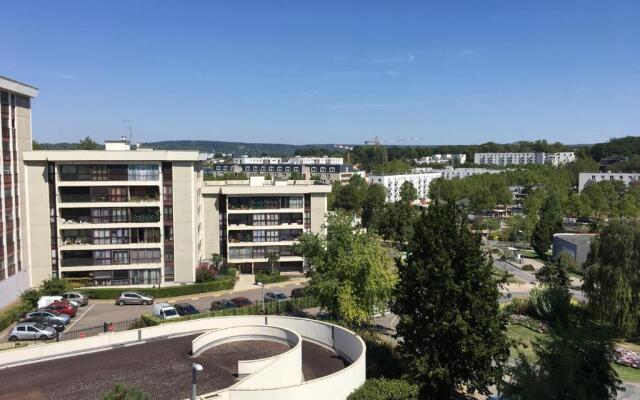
(443, 159)
(325, 173)
(15, 122)
(119, 216)
(555, 159)
(588, 178)
(458, 173)
(295, 160)
(393, 183)
(247, 219)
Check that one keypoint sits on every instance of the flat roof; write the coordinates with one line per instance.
(111, 155)
(577, 238)
(18, 87)
(243, 187)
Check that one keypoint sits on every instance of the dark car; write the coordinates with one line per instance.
(222, 304)
(46, 321)
(242, 302)
(274, 296)
(297, 293)
(186, 309)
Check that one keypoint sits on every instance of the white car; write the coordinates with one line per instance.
(165, 311)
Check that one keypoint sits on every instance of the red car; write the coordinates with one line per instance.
(61, 307)
(241, 301)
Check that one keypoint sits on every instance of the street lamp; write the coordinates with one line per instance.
(194, 369)
(262, 287)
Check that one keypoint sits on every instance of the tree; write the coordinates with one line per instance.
(550, 223)
(30, 297)
(572, 363)
(205, 274)
(53, 287)
(352, 274)
(408, 193)
(87, 144)
(612, 277)
(451, 328)
(351, 196)
(385, 389)
(272, 259)
(554, 274)
(124, 392)
(373, 206)
(296, 176)
(216, 260)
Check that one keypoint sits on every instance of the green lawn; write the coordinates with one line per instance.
(498, 273)
(627, 374)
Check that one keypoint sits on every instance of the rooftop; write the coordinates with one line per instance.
(577, 238)
(18, 87)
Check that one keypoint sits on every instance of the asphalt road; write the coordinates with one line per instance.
(162, 368)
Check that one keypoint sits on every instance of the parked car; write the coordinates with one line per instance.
(242, 302)
(165, 311)
(44, 301)
(78, 297)
(186, 309)
(134, 298)
(64, 318)
(275, 296)
(47, 321)
(297, 293)
(31, 331)
(61, 307)
(222, 304)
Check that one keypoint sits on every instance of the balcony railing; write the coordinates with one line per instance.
(70, 241)
(82, 262)
(86, 198)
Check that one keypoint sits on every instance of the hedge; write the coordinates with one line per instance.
(161, 292)
(267, 278)
(385, 389)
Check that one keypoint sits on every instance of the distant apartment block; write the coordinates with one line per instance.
(15, 122)
(118, 216)
(443, 159)
(393, 183)
(458, 173)
(295, 160)
(588, 178)
(246, 220)
(325, 173)
(503, 159)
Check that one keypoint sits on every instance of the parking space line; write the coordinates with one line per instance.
(79, 317)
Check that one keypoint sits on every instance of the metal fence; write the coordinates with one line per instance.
(107, 327)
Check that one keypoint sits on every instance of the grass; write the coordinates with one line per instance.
(524, 338)
(627, 374)
(498, 274)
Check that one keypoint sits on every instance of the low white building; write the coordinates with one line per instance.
(587, 178)
(295, 160)
(392, 183)
(457, 173)
(555, 159)
(442, 159)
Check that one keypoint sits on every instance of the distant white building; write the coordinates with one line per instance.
(442, 159)
(587, 178)
(458, 173)
(257, 160)
(296, 160)
(392, 183)
(555, 159)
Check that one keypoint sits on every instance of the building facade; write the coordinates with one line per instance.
(588, 178)
(15, 122)
(576, 245)
(246, 220)
(118, 216)
(325, 173)
(393, 183)
(503, 159)
(295, 160)
(443, 159)
(458, 173)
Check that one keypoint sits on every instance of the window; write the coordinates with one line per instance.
(143, 172)
(168, 213)
(167, 192)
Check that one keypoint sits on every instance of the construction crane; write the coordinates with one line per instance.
(377, 141)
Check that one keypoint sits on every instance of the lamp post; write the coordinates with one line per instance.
(195, 368)
(262, 287)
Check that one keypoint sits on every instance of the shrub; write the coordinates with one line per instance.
(124, 392)
(551, 303)
(205, 274)
(383, 389)
(268, 278)
(54, 287)
(75, 283)
(383, 360)
(171, 291)
(528, 267)
(30, 297)
(520, 306)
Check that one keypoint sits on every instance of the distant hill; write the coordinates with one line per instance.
(236, 148)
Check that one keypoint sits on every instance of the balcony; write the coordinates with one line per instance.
(264, 236)
(265, 203)
(88, 258)
(94, 237)
(116, 215)
(109, 172)
(109, 194)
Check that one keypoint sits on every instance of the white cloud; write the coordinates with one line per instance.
(393, 60)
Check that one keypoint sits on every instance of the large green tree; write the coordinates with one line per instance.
(550, 222)
(373, 206)
(352, 275)
(87, 144)
(612, 276)
(451, 330)
(408, 192)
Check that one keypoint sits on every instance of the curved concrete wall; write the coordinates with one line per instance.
(256, 386)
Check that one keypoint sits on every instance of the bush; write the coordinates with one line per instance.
(205, 274)
(551, 303)
(172, 291)
(75, 283)
(383, 360)
(54, 287)
(124, 392)
(528, 267)
(30, 297)
(268, 278)
(520, 306)
(383, 389)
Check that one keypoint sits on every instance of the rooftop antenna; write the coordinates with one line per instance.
(127, 123)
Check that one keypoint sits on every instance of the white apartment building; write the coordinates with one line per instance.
(392, 183)
(247, 219)
(119, 216)
(256, 160)
(15, 122)
(587, 178)
(443, 159)
(296, 160)
(555, 159)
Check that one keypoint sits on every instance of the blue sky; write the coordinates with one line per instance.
(328, 72)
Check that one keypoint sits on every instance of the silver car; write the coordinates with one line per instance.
(76, 297)
(64, 318)
(134, 298)
(31, 331)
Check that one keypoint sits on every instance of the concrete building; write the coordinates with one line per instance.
(15, 122)
(325, 173)
(295, 160)
(392, 183)
(458, 173)
(443, 159)
(555, 159)
(577, 245)
(119, 216)
(588, 178)
(245, 220)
